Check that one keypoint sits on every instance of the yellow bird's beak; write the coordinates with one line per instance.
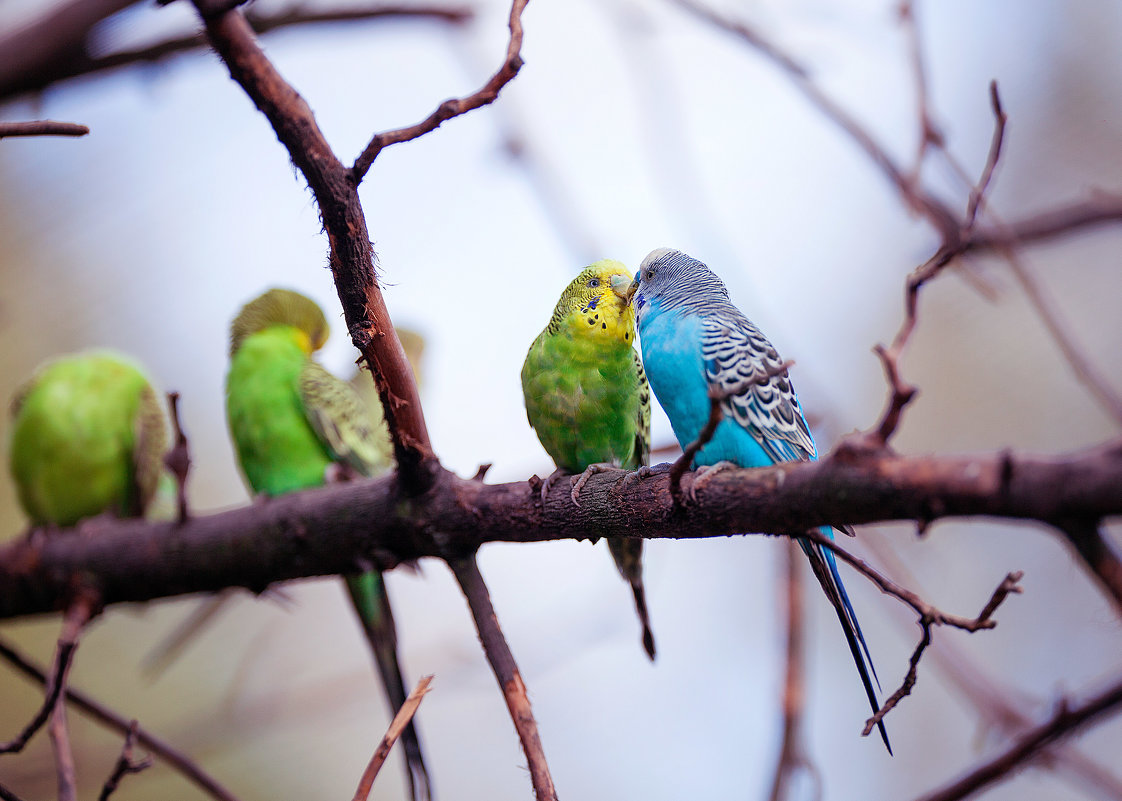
(621, 286)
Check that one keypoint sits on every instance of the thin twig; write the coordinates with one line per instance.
(929, 133)
(978, 192)
(792, 749)
(125, 764)
(264, 23)
(506, 672)
(717, 397)
(928, 616)
(107, 717)
(78, 613)
(993, 701)
(1064, 721)
(42, 128)
(178, 459)
(397, 726)
(1098, 555)
(453, 107)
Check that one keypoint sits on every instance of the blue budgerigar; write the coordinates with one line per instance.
(693, 340)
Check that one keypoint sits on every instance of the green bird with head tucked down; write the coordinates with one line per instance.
(88, 437)
(587, 397)
(293, 423)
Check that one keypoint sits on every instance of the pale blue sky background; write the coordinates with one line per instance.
(642, 128)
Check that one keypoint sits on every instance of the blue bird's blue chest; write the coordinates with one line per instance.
(671, 346)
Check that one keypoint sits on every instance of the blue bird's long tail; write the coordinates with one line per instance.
(825, 569)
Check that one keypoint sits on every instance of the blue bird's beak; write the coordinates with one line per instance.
(632, 289)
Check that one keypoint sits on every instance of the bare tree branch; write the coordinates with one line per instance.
(1100, 558)
(42, 128)
(178, 459)
(993, 700)
(125, 765)
(792, 748)
(112, 720)
(1064, 721)
(451, 108)
(397, 726)
(506, 672)
(78, 612)
(928, 616)
(351, 256)
(264, 23)
(365, 520)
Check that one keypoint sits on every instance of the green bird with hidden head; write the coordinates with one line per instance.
(588, 401)
(88, 437)
(293, 423)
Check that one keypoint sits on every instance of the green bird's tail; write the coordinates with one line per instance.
(628, 556)
(372, 605)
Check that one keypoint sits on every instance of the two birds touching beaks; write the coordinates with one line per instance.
(588, 399)
(88, 433)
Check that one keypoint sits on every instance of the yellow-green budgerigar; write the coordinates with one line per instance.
(587, 397)
(88, 437)
(292, 423)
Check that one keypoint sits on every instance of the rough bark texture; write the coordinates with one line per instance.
(331, 530)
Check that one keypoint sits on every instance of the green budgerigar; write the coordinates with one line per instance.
(587, 397)
(88, 437)
(293, 423)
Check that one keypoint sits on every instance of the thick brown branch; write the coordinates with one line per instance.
(42, 128)
(397, 726)
(112, 720)
(454, 107)
(257, 545)
(506, 672)
(351, 256)
(1064, 721)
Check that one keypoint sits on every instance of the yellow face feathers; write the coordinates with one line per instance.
(281, 307)
(594, 304)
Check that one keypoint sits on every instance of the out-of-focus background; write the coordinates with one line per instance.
(632, 126)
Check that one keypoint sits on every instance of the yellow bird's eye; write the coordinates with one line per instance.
(593, 283)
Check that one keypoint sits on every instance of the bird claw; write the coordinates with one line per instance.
(704, 475)
(577, 482)
(547, 482)
(645, 471)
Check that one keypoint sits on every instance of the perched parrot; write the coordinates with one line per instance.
(88, 437)
(588, 400)
(293, 423)
(695, 340)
